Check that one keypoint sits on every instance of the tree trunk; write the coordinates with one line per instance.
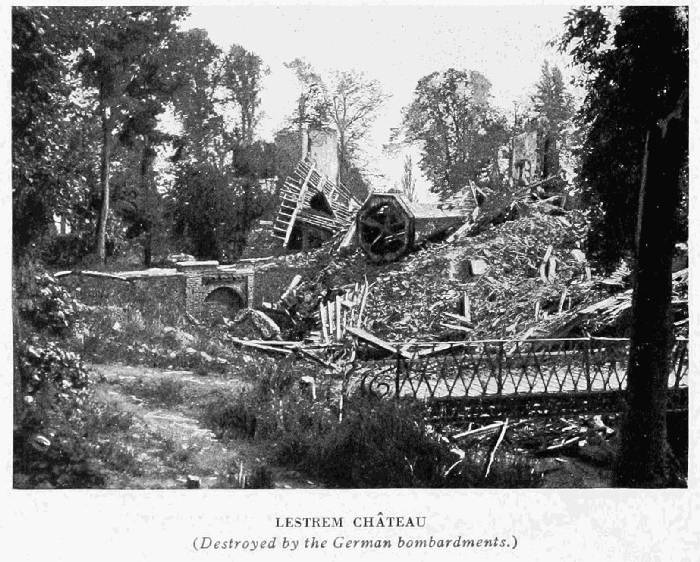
(149, 201)
(104, 182)
(644, 455)
(342, 157)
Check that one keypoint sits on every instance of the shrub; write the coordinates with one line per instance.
(67, 250)
(45, 365)
(260, 478)
(45, 304)
(378, 443)
(229, 418)
(51, 390)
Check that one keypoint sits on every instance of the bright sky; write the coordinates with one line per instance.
(396, 45)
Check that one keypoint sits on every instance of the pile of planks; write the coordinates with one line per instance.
(344, 311)
(335, 317)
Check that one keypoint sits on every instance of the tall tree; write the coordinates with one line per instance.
(117, 42)
(242, 74)
(636, 113)
(408, 179)
(460, 133)
(213, 210)
(149, 94)
(633, 74)
(195, 103)
(46, 122)
(312, 104)
(354, 100)
(553, 104)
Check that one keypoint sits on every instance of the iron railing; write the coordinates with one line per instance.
(508, 368)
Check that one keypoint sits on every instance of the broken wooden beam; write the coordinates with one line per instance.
(97, 274)
(373, 340)
(247, 343)
(463, 319)
(492, 455)
(471, 432)
(456, 327)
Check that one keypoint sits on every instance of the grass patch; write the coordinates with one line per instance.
(161, 391)
(378, 443)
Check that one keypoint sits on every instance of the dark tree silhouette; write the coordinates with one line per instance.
(634, 154)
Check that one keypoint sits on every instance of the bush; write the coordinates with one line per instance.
(229, 418)
(378, 443)
(46, 366)
(51, 390)
(67, 250)
(45, 304)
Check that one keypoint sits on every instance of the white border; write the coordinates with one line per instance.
(150, 525)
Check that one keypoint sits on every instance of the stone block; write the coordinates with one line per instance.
(478, 267)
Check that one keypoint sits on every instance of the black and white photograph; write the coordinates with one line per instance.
(263, 250)
(281, 265)
(327, 247)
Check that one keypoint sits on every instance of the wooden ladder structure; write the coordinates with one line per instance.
(291, 202)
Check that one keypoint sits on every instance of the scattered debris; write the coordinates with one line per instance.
(192, 482)
(253, 324)
(177, 338)
(478, 267)
(492, 454)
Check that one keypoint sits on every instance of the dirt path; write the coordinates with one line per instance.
(166, 440)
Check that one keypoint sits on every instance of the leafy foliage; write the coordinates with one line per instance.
(635, 73)
(47, 153)
(353, 100)
(242, 73)
(451, 116)
(214, 210)
(47, 364)
(44, 303)
(51, 388)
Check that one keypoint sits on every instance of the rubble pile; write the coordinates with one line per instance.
(521, 279)
(524, 278)
(513, 275)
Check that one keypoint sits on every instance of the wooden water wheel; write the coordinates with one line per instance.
(384, 230)
(388, 225)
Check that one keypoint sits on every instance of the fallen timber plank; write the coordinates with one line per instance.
(456, 327)
(567, 443)
(297, 208)
(495, 447)
(471, 432)
(248, 343)
(97, 274)
(460, 318)
(373, 340)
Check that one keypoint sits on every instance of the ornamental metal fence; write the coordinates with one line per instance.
(508, 368)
